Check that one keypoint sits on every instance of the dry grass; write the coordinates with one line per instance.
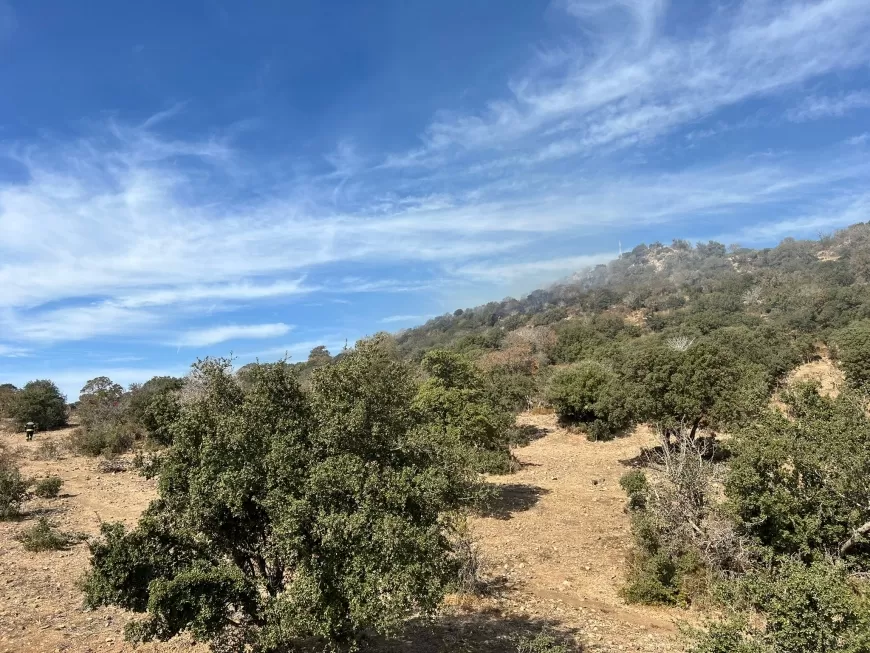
(821, 370)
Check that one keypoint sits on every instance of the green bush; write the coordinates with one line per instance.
(798, 484)
(102, 438)
(454, 405)
(662, 571)
(285, 515)
(48, 488)
(635, 485)
(589, 393)
(42, 536)
(39, 402)
(155, 405)
(162, 411)
(543, 642)
(853, 353)
(7, 399)
(803, 609)
(13, 488)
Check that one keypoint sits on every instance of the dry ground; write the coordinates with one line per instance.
(554, 544)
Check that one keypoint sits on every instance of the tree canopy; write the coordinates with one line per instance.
(286, 514)
(40, 402)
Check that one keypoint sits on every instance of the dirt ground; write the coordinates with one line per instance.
(553, 543)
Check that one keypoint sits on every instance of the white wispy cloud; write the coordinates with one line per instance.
(127, 231)
(216, 335)
(860, 139)
(7, 351)
(815, 107)
(550, 268)
(404, 318)
(835, 214)
(626, 81)
(76, 323)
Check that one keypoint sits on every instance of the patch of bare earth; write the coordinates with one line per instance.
(821, 370)
(554, 543)
(559, 536)
(40, 604)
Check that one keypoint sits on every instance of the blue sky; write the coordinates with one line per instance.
(206, 177)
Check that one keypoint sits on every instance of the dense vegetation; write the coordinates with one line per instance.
(288, 513)
(321, 500)
(39, 402)
(773, 524)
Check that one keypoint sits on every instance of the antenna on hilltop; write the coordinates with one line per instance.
(620, 249)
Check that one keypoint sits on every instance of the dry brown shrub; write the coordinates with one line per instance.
(538, 338)
(515, 358)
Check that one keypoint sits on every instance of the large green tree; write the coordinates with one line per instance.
(40, 402)
(286, 514)
(155, 405)
(683, 384)
(7, 397)
(454, 404)
(100, 402)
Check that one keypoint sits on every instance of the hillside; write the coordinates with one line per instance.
(591, 467)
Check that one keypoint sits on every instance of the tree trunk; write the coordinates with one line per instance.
(852, 541)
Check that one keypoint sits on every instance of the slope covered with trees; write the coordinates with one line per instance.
(323, 501)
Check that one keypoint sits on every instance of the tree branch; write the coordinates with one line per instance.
(852, 541)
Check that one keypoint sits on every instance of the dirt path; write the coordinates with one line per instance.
(560, 538)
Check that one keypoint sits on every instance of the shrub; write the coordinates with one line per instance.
(469, 564)
(798, 484)
(48, 488)
(147, 465)
(47, 450)
(39, 402)
(635, 485)
(543, 642)
(162, 411)
(588, 393)
(454, 405)
(42, 536)
(7, 398)
(664, 577)
(804, 609)
(682, 540)
(853, 353)
(13, 488)
(155, 405)
(106, 438)
(285, 515)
